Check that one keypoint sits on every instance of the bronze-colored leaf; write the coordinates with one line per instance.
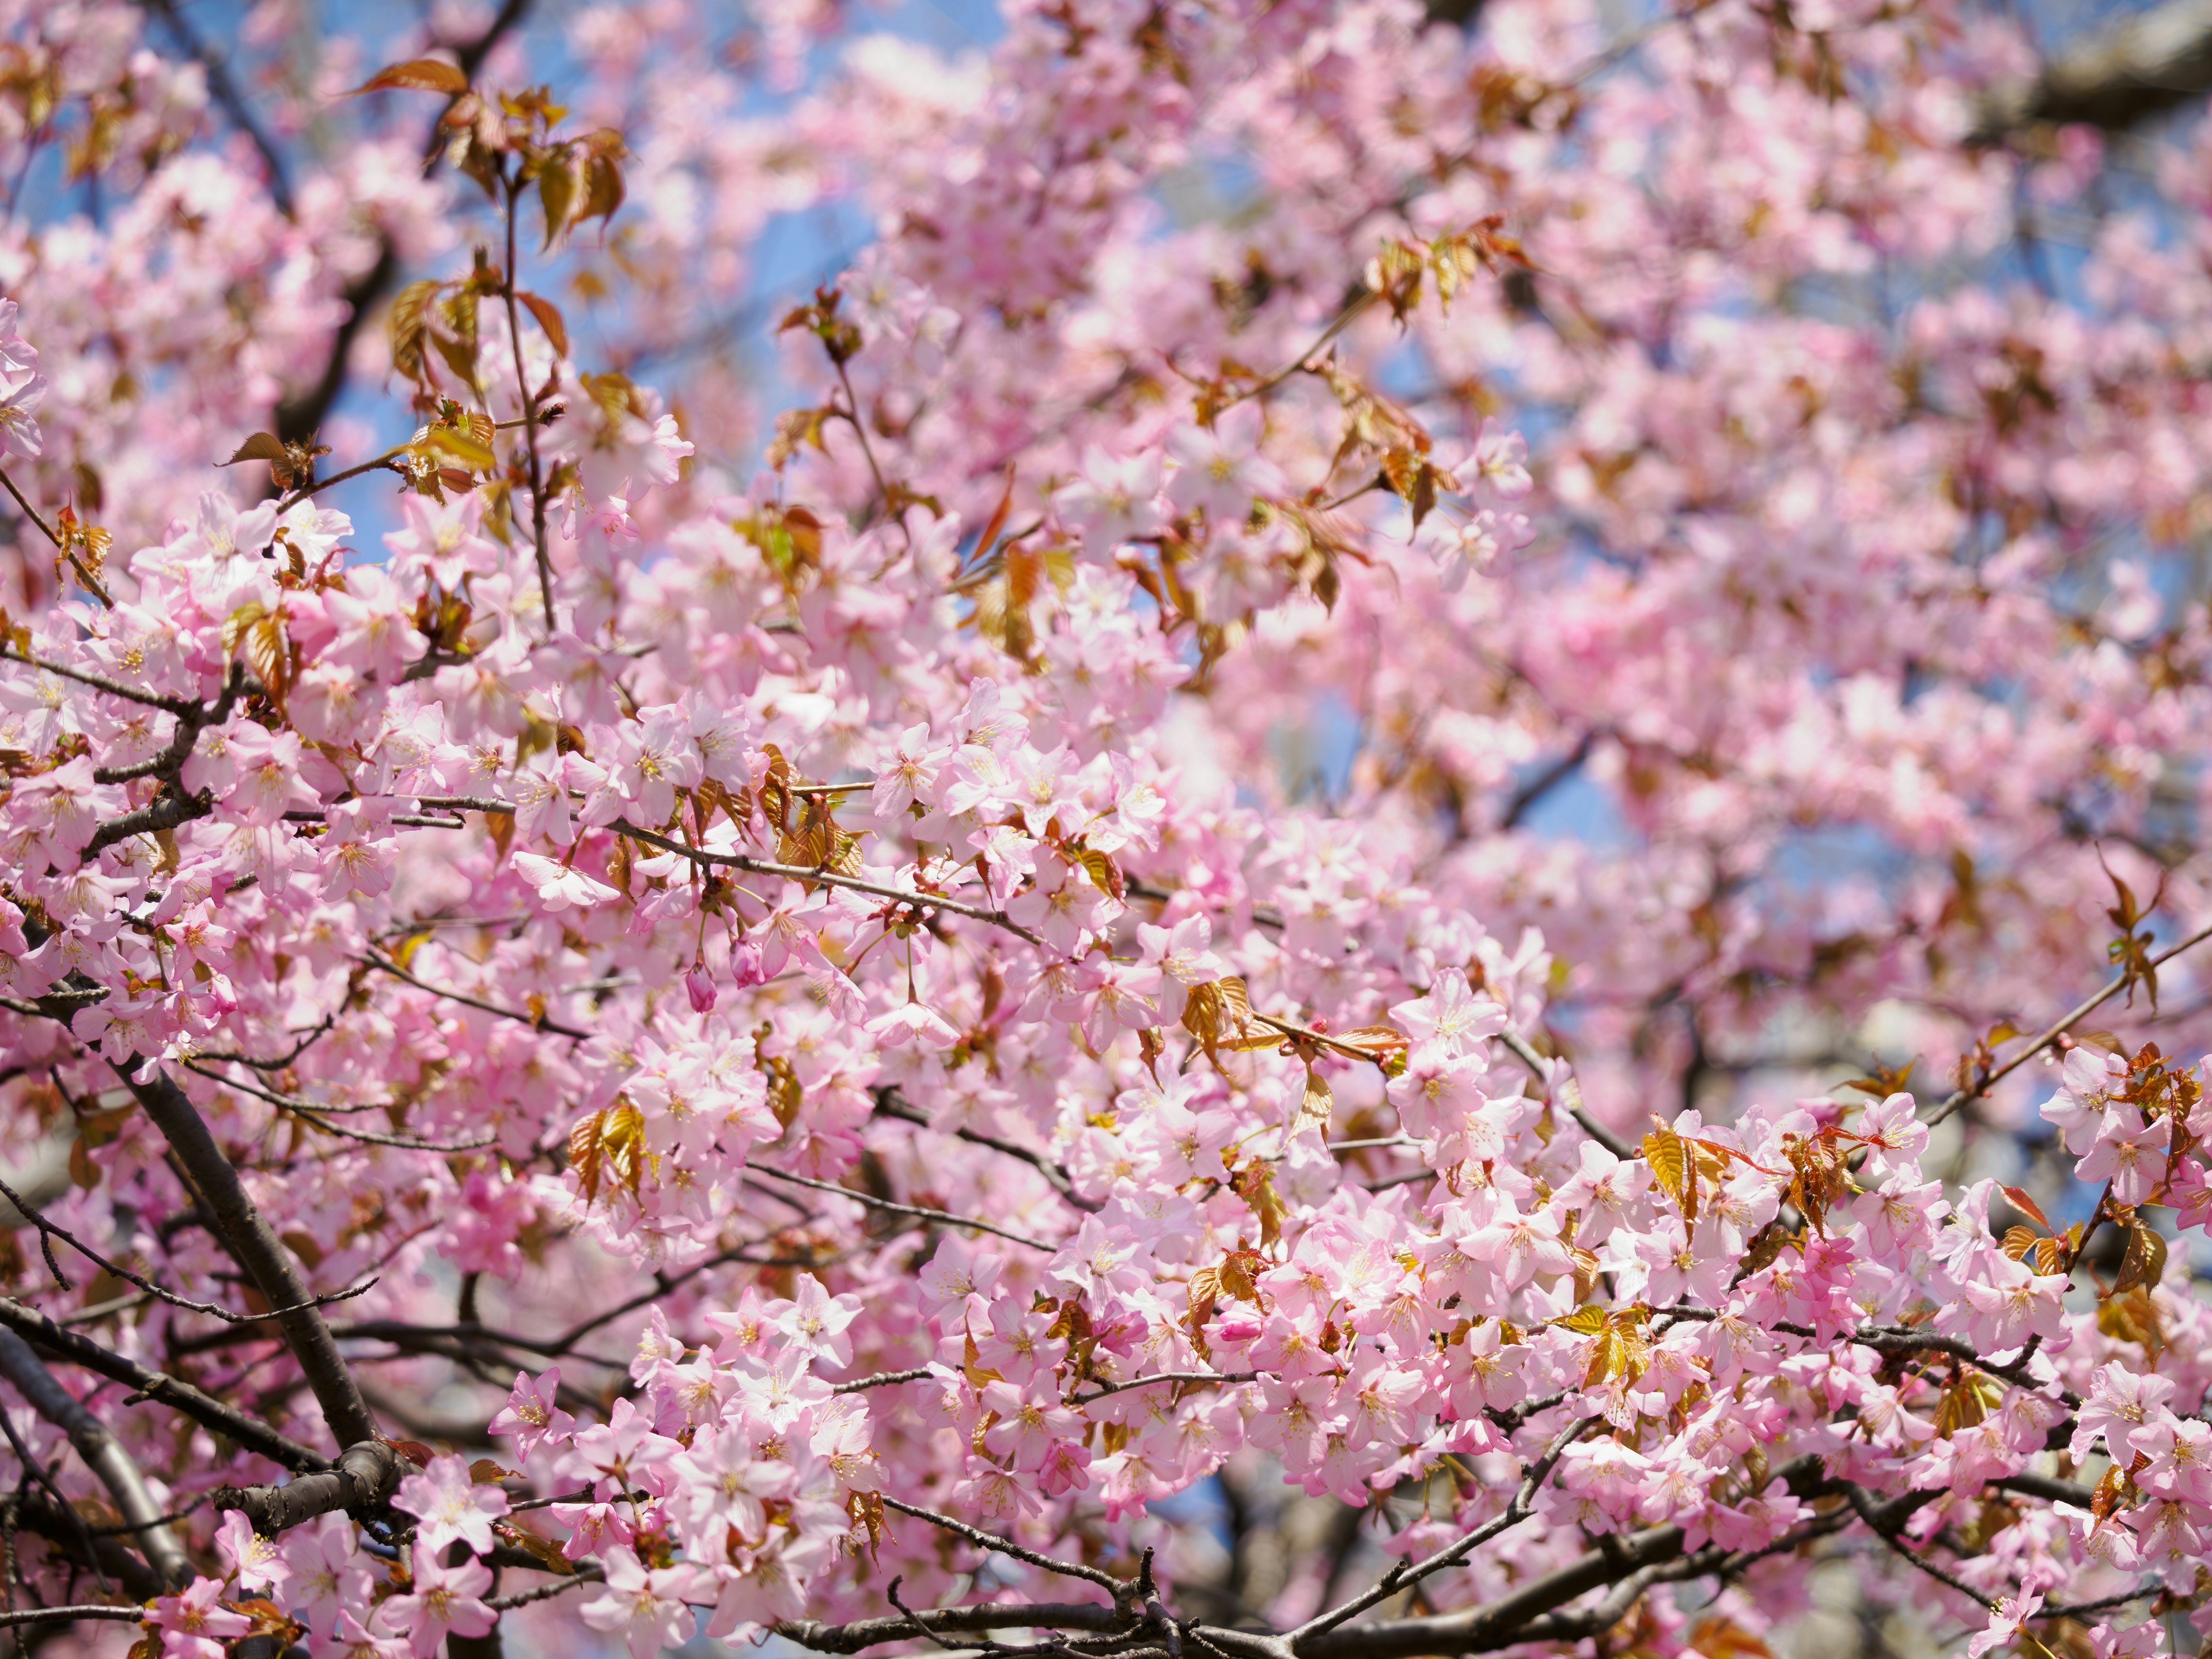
(1672, 1168)
(261, 446)
(602, 188)
(1317, 1107)
(549, 319)
(547, 1555)
(584, 1155)
(2028, 1206)
(407, 324)
(2131, 1316)
(2144, 1260)
(460, 356)
(1968, 1400)
(417, 75)
(557, 195)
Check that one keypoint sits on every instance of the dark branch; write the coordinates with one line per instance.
(103, 1454)
(258, 1250)
(366, 1475)
(179, 1396)
(227, 93)
(2141, 67)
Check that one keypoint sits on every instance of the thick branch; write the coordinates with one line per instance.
(57, 1615)
(103, 1555)
(259, 1251)
(227, 93)
(165, 812)
(2140, 67)
(301, 415)
(366, 1474)
(164, 1389)
(103, 1454)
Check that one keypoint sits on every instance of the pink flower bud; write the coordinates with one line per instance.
(700, 985)
(746, 966)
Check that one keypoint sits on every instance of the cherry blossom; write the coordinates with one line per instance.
(1454, 769)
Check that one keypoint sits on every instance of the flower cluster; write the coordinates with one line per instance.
(1249, 847)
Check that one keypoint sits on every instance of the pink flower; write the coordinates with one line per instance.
(2129, 1153)
(1113, 501)
(815, 1322)
(1221, 469)
(614, 1454)
(531, 1414)
(255, 1561)
(2008, 1619)
(561, 888)
(448, 1505)
(353, 1640)
(444, 1599)
(645, 1606)
(441, 540)
(912, 1021)
(194, 1626)
(958, 1271)
(331, 1578)
(748, 963)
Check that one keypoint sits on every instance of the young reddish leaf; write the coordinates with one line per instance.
(2028, 1206)
(549, 319)
(417, 75)
(557, 195)
(261, 446)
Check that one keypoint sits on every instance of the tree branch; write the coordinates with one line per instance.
(864, 1633)
(157, 1386)
(827, 878)
(103, 1454)
(889, 1103)
(1119, 1588)
(914, 1210)
(2138, 68)
(2117, 983)
(227, 93)
(367, 1474)
(258, 1250)
(1402, 1575)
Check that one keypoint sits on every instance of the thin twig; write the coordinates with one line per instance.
(1117, 1587)
(914, 1210)
(529, 412)
(23, 501)
(1226, 1379)
(546, 1592)
(879, 1380)
(536, 1021)
(46, 1227)
(1403, 1577)
(2118, 983)
(828, 879)
(308, 1112)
